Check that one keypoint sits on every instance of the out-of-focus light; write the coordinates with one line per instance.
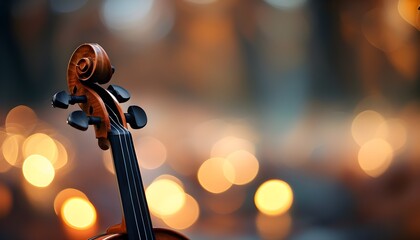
(229, 144)
(38, 170)
(62, 156)
(126, 13)
(4, 166)
(78, 213)
(375, 157)
(65, 195)
(66, 6)
(404, 60)
(365, 126)
(108, 161)
(408, 10)
(138, 20)
(273, 227)
(286, 4)
(395, 133)
(165, 197)
(151, 152)
(384, 29)
(11, 149)
(216, 175)
(21, 120)
(246, 166)
(172, 178)
(274, 197)
(40, 144)
(6, 200)
(186, 216)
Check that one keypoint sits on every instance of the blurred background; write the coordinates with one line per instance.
(268, 119)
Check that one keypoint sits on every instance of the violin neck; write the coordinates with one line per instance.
(133, 199)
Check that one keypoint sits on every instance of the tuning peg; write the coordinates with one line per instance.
(79, 120)
(120, 93)
(136, 117)
(62, 99)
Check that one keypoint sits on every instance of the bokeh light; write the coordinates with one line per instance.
(394, 131)
(216, 175)
(62, 155)
(229, 144)
(365, 126)
(38, 170)
(64, 195)
(408, 10)
(78, 213)
(151, 152)
(138, 20)
(21, 120)
(6, 200)
(172, 178)
(40, 144)
(4, 165)
(375, 157)
(184, 217)
(246, 166)
(11, 149)
(165, 197)
(274, 197)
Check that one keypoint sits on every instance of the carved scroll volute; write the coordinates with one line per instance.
(89, 65)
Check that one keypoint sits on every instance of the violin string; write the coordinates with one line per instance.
(118, 125)
(137, 174)
(126, 171)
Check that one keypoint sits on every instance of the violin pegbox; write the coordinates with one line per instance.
(89, 66)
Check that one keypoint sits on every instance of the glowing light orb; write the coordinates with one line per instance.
(165, 197)
(375, 157)
(365, 126)
(394, 132)
(62, 156)
(186, 216)
(38, 170)
(151, 152)
(139, 21)
(216, 175)
(65, 195)
(20, 120)
(230, 144)
(40, 144)
(11, 149)
(78, 213)
(408, 10)
(246, 166)
(274, 197)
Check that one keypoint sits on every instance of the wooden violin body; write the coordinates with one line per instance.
(89, 67)
(160, 234)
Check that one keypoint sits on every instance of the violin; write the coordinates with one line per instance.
(89, 68)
